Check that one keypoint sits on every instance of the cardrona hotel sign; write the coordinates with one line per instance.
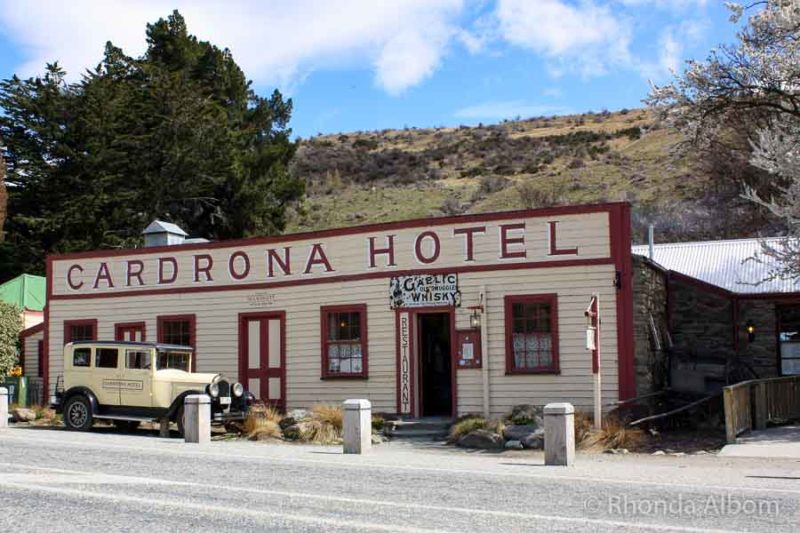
(348, 254)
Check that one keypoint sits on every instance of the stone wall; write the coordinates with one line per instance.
(762, 353)
(649, 310)
(702, 335)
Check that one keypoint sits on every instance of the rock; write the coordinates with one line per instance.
(286, 421)
(299, 414)
(481, 439)
(659, 452)
(617, 451)
(518, 432)
(525, 414)
(678, 454)
(533, 441)
(22, 414)
(513, 445)
(378, 439)
(295, 431)
(700, 452)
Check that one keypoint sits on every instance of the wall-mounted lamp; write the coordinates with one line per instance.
(751, 331)
(475, 317)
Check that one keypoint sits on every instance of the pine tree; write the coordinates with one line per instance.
(177, 134)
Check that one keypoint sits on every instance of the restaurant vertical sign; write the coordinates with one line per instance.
(405, 363)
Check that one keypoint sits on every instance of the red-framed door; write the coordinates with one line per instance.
(262, 356)
(409, 392)
(130, 331)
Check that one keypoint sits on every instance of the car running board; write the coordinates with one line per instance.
(127, 418)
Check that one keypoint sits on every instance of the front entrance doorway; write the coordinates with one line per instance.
(435, 348)
(262, 356)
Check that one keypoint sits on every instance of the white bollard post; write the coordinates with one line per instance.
(3, 407)
(357, 426)
(197, 419)
(559, 434)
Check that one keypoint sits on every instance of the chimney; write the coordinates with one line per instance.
(160, 233)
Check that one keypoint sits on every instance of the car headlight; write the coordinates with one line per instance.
(213, 390)
(238, 390)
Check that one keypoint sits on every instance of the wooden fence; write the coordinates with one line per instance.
(752, 404)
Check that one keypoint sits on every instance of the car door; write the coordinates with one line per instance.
(137, 377)
(107, 368)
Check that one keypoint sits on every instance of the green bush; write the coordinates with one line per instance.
(10, 327)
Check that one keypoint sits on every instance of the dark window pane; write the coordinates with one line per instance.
(106, 358)
(80, 357)
(81, 333)
(176, 332)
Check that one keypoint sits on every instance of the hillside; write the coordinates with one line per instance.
(366, 177)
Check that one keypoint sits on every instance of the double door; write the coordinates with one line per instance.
(262, 356)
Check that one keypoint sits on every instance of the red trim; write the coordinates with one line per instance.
(192, 319)
(324, 311)
(620, 219)
(121, 327)
(264, 372)
(371, 228)
(25, 333)
(46, 355)
(343, 278)
(509, 301)
(68, 324)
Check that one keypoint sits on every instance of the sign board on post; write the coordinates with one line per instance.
(405, 363)
(424, 290)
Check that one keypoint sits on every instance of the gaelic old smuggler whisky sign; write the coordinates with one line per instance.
(424, 290)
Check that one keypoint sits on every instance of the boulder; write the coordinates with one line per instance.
(482, 439)
(526, 414)
(299, 414)
(518, 432)
(295, 431)
(513, 445)
(533, 441)
(22, 414)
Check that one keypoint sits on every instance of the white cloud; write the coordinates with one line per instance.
(508, 109)
(274, 42)
(586, 37)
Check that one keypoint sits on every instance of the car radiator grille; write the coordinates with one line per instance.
(224, 388)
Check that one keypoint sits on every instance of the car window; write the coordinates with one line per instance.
(177, 360)
(137, 359)
(80, 357)
(106, 358)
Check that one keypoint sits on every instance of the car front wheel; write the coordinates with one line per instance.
(78, 414)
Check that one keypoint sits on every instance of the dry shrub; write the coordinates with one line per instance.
(466, 424)
(325, 426)
(615, 434)
(469, 423)
(267, 429)
(260, 417)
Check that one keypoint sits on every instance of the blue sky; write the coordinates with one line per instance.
(371, 64)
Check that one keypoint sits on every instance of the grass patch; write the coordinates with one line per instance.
(262, 420)
(469, 423)
(615, 434)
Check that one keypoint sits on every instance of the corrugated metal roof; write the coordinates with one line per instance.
(723, 263)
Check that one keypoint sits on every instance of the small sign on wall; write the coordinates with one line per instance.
(469, 348)
(425, 290)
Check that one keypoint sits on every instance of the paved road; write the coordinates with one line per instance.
(53, 480)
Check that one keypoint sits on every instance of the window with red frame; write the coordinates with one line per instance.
(532, 334)
(84, 330)
(176, 332)
(344, 343)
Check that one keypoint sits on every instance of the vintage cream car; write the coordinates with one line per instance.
(132, 382)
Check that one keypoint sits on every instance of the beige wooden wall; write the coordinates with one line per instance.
(30, 353)
(217, 335)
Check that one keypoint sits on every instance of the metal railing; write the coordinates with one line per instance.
(752, 404)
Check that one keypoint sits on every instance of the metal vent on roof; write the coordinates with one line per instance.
(160, 233)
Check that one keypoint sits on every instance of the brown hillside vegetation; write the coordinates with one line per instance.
(366, 177)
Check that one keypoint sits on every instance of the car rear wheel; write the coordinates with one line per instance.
(78, 414)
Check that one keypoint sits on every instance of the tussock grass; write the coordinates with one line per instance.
(469, 423)
(262, 419)
(326, 425)
(615, 434)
